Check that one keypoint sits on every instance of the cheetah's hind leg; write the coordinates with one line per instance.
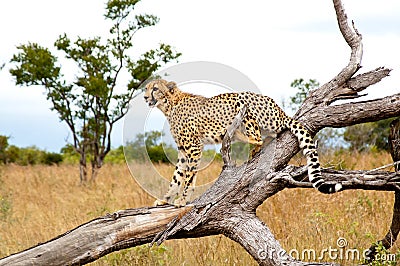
(256, 149)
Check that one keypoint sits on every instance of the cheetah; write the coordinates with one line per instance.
(196, 120)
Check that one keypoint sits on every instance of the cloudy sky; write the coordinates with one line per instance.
(272, 42)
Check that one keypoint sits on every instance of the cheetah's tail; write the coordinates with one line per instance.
(309, 150)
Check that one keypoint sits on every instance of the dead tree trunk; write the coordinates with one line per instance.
(394, 142)
(391, 236)
(229, 206)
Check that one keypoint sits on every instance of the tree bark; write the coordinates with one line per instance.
(229, 206)
(98, 237)
(96, 163)
(394, 142)
(82, 167)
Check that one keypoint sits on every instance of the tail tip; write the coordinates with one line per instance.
(338, 187)
(330, 188)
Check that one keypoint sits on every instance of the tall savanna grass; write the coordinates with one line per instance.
(38, 203)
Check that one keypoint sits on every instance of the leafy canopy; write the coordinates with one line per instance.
(94, 99)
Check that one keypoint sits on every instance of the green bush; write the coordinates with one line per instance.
(150, 144)
(12, 154)
(29, 156)
(3, 149)
(156, 154)
(51, 158)
(115, 156)
(69, 154)
(26, 156)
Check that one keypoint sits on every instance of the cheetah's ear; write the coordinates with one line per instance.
(171, 85)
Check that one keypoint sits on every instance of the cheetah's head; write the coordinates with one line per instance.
(158, 92)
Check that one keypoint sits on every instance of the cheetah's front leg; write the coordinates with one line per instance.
(176, 182)
(193, 155)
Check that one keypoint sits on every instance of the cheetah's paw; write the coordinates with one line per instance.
(179, 202)
(159, 202)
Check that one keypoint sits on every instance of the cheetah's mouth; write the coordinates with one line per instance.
(152, 102)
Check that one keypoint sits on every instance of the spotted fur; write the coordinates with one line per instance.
(196, 120)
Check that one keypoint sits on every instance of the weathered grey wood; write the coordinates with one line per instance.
(229, 206)
(336, 87)
(98, 237)
(229, 136)
(394, 141)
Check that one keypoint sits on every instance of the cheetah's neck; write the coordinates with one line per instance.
(173, 100)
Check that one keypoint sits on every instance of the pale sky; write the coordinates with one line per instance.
(272, 42)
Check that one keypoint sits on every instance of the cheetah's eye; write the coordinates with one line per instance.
(155, 89)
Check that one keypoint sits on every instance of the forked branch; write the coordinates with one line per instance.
(229, 136)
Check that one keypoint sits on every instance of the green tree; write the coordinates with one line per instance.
(12, 154)
(3, 149)
(29, 156)
(51, 158)
(26, 156)
(93, 101)
(303, 87)
(69, 154)
(152, 138)
(116, 156)
(369, 136)
(150, 144)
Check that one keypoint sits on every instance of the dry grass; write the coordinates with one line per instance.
(40, 202)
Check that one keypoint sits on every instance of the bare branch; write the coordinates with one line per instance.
(229, 135)
(327, 93)
(350, 89)
(101, 236)
(362, 81)
(354, 113)
(350, 179)
(350, 34)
